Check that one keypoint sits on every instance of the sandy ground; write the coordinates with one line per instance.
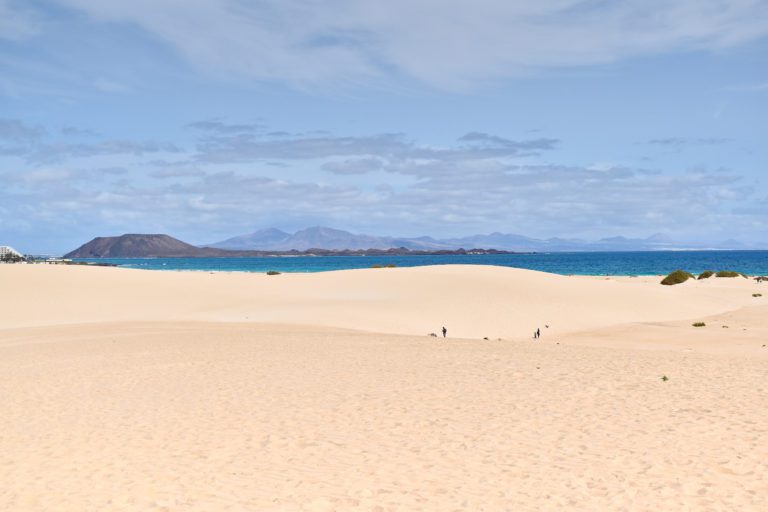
(471, 301)
(134, 390)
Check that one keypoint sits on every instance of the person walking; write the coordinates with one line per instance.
(445, 332)
(538, 333)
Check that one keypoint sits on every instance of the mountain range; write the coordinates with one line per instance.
(164, 246)
(318, 237)
(328, 241)
(328, 238)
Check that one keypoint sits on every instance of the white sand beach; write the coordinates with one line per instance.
(138, 390)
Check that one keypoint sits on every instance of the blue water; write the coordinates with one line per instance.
(587, 263)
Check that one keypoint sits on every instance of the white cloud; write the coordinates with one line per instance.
(479, 183)
(53, 152)
(245, 147)
(445, 43)
(449, 191)
(34, 143)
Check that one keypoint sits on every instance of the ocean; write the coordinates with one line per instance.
(586, 263)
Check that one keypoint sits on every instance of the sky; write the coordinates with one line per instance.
(206, 119)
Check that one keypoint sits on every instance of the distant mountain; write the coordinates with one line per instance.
(335, 239)
(262, 238)
(500, 240)
(141, 246)
(328, 238)
(327, 241)
(164, 246)
(323, 238)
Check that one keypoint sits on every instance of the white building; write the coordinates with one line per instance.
(8, 250)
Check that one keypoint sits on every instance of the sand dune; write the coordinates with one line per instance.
(131, 390)
(471, 301)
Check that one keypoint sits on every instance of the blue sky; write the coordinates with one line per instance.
(206, 119)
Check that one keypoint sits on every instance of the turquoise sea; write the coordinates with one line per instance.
(587, 263)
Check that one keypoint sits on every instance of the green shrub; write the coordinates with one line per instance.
(391, 265)
(699, 324)
(376, 266)
(677, 277)
(729, 273)
(757, 294)
(706, 274)
(273, 273)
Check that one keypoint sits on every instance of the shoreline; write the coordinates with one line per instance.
(598, 264)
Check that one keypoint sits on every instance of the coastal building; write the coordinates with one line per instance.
(57, 261)
(7, 251)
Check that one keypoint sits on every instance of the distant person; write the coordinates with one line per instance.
(445, 332)
(538, 333)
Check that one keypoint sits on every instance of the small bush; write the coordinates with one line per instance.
(391, 265)
(376, 266)
(706, 274)
(699, 324)
(677, 277)
(664, 378)
(757, 294)
(273, 273)
(729, 273)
